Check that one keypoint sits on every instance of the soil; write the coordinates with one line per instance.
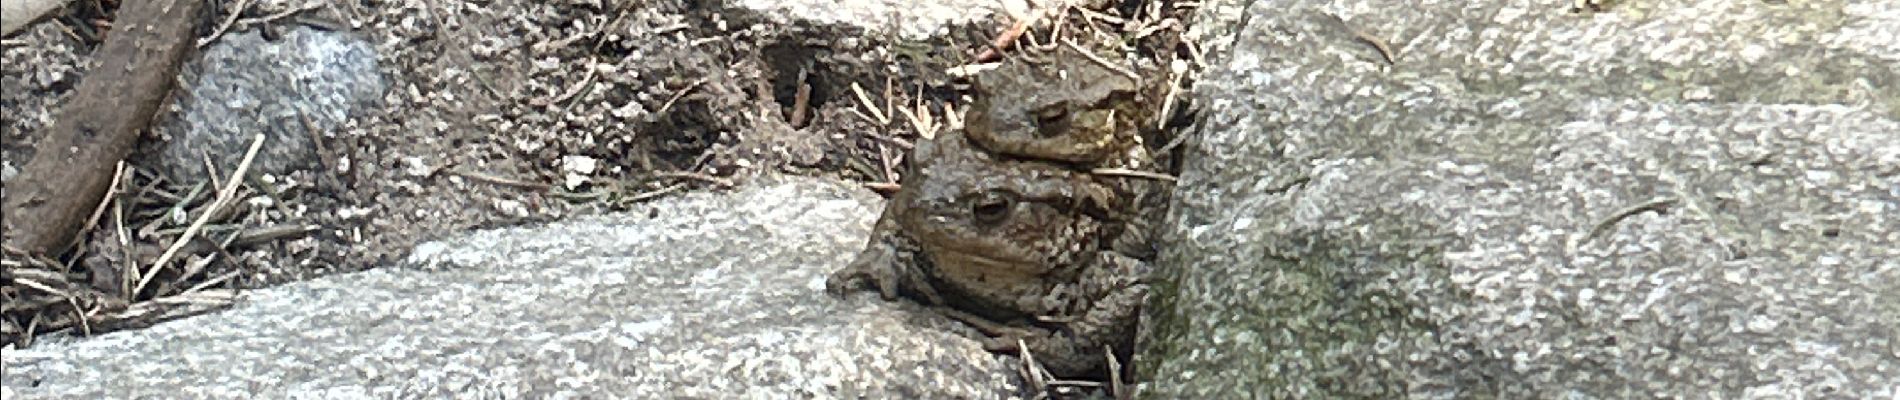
(505, 112)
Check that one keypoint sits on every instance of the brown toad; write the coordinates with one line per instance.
(1018, 249)
(1070, 109)
(1007, 231)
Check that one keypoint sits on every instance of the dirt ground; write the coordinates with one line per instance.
(505, 112)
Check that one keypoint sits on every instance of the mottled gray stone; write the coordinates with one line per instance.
(307, 82)
(901, 19)
(1448, 226)
(709, 296)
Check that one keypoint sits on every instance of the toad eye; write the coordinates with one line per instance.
(1053, 120)
(991, 208)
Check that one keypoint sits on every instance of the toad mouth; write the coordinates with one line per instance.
(987, 262)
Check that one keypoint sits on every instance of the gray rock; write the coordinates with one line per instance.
(901, 19)
(307, 82)
(1680, 199)
(703, 296)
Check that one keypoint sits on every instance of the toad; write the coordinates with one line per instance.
(1070, 109)
(1020, 250)
(1002, 225)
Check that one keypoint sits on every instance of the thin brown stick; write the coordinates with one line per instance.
(682, 93)
(865, 100)
(885, 187)
(98, 126)
(1004, 39)
(586, 82)
(694, 176)
(228, 21)
(485, 178)
(657, 193)
(1099, 60)
(112, 192)
(801, 104)
(281, 14)
(1178, 69)
(1124, 172)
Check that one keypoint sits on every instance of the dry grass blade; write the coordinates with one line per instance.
(722, 182)
(228, 21)
(921, 120)
(1115, 375)
(865, 100)
(1129, 173)
(285, 13)
(1007, 37)
(1099, 60)
(656, 193)
(112, 192)
(225, 197)
(885, 187)
(682, 93)
(496, 180)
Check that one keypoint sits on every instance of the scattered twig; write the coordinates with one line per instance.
(1031, 370)
(255, 236)
(209, 283)
(1115, 375)
(888, 83)
(112, 192)
(1099, 60)
(865, 100)
(1177, 69)
(1180, 136)
(899, 142)
(485, 178)
(281, 14)
(677, 95)
(587, 81)
(925, 125)
(801, 104)
(656, 193)
(1098, 15)
(1150, 30)
(1007, 37)
(1124, 172)
(1657, 205)
(84, 325)
(225, 196)
(1385, 50)
(228, 21)
(888, 162)
(885, 187)
(722, 182)
(862, 115)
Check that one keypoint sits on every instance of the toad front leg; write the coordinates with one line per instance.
(887, 264)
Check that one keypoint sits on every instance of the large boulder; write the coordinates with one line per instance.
(1694, 198)
(703, 296)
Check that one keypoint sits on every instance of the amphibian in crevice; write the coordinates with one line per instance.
(1003, 225)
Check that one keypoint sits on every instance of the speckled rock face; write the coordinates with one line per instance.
(307, 83)
(704, 296)
(1681, 199)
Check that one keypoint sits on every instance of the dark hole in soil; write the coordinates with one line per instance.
(789, 62)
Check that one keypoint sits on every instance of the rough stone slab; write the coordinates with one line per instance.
(307, 83)
(1676, 199)
(703, 296)
(904, 19)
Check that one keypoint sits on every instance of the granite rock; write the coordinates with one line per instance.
(1676, 199)
(708, 295)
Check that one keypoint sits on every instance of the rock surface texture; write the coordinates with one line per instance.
(1677, 199)
(702, 296)
(307, 83)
